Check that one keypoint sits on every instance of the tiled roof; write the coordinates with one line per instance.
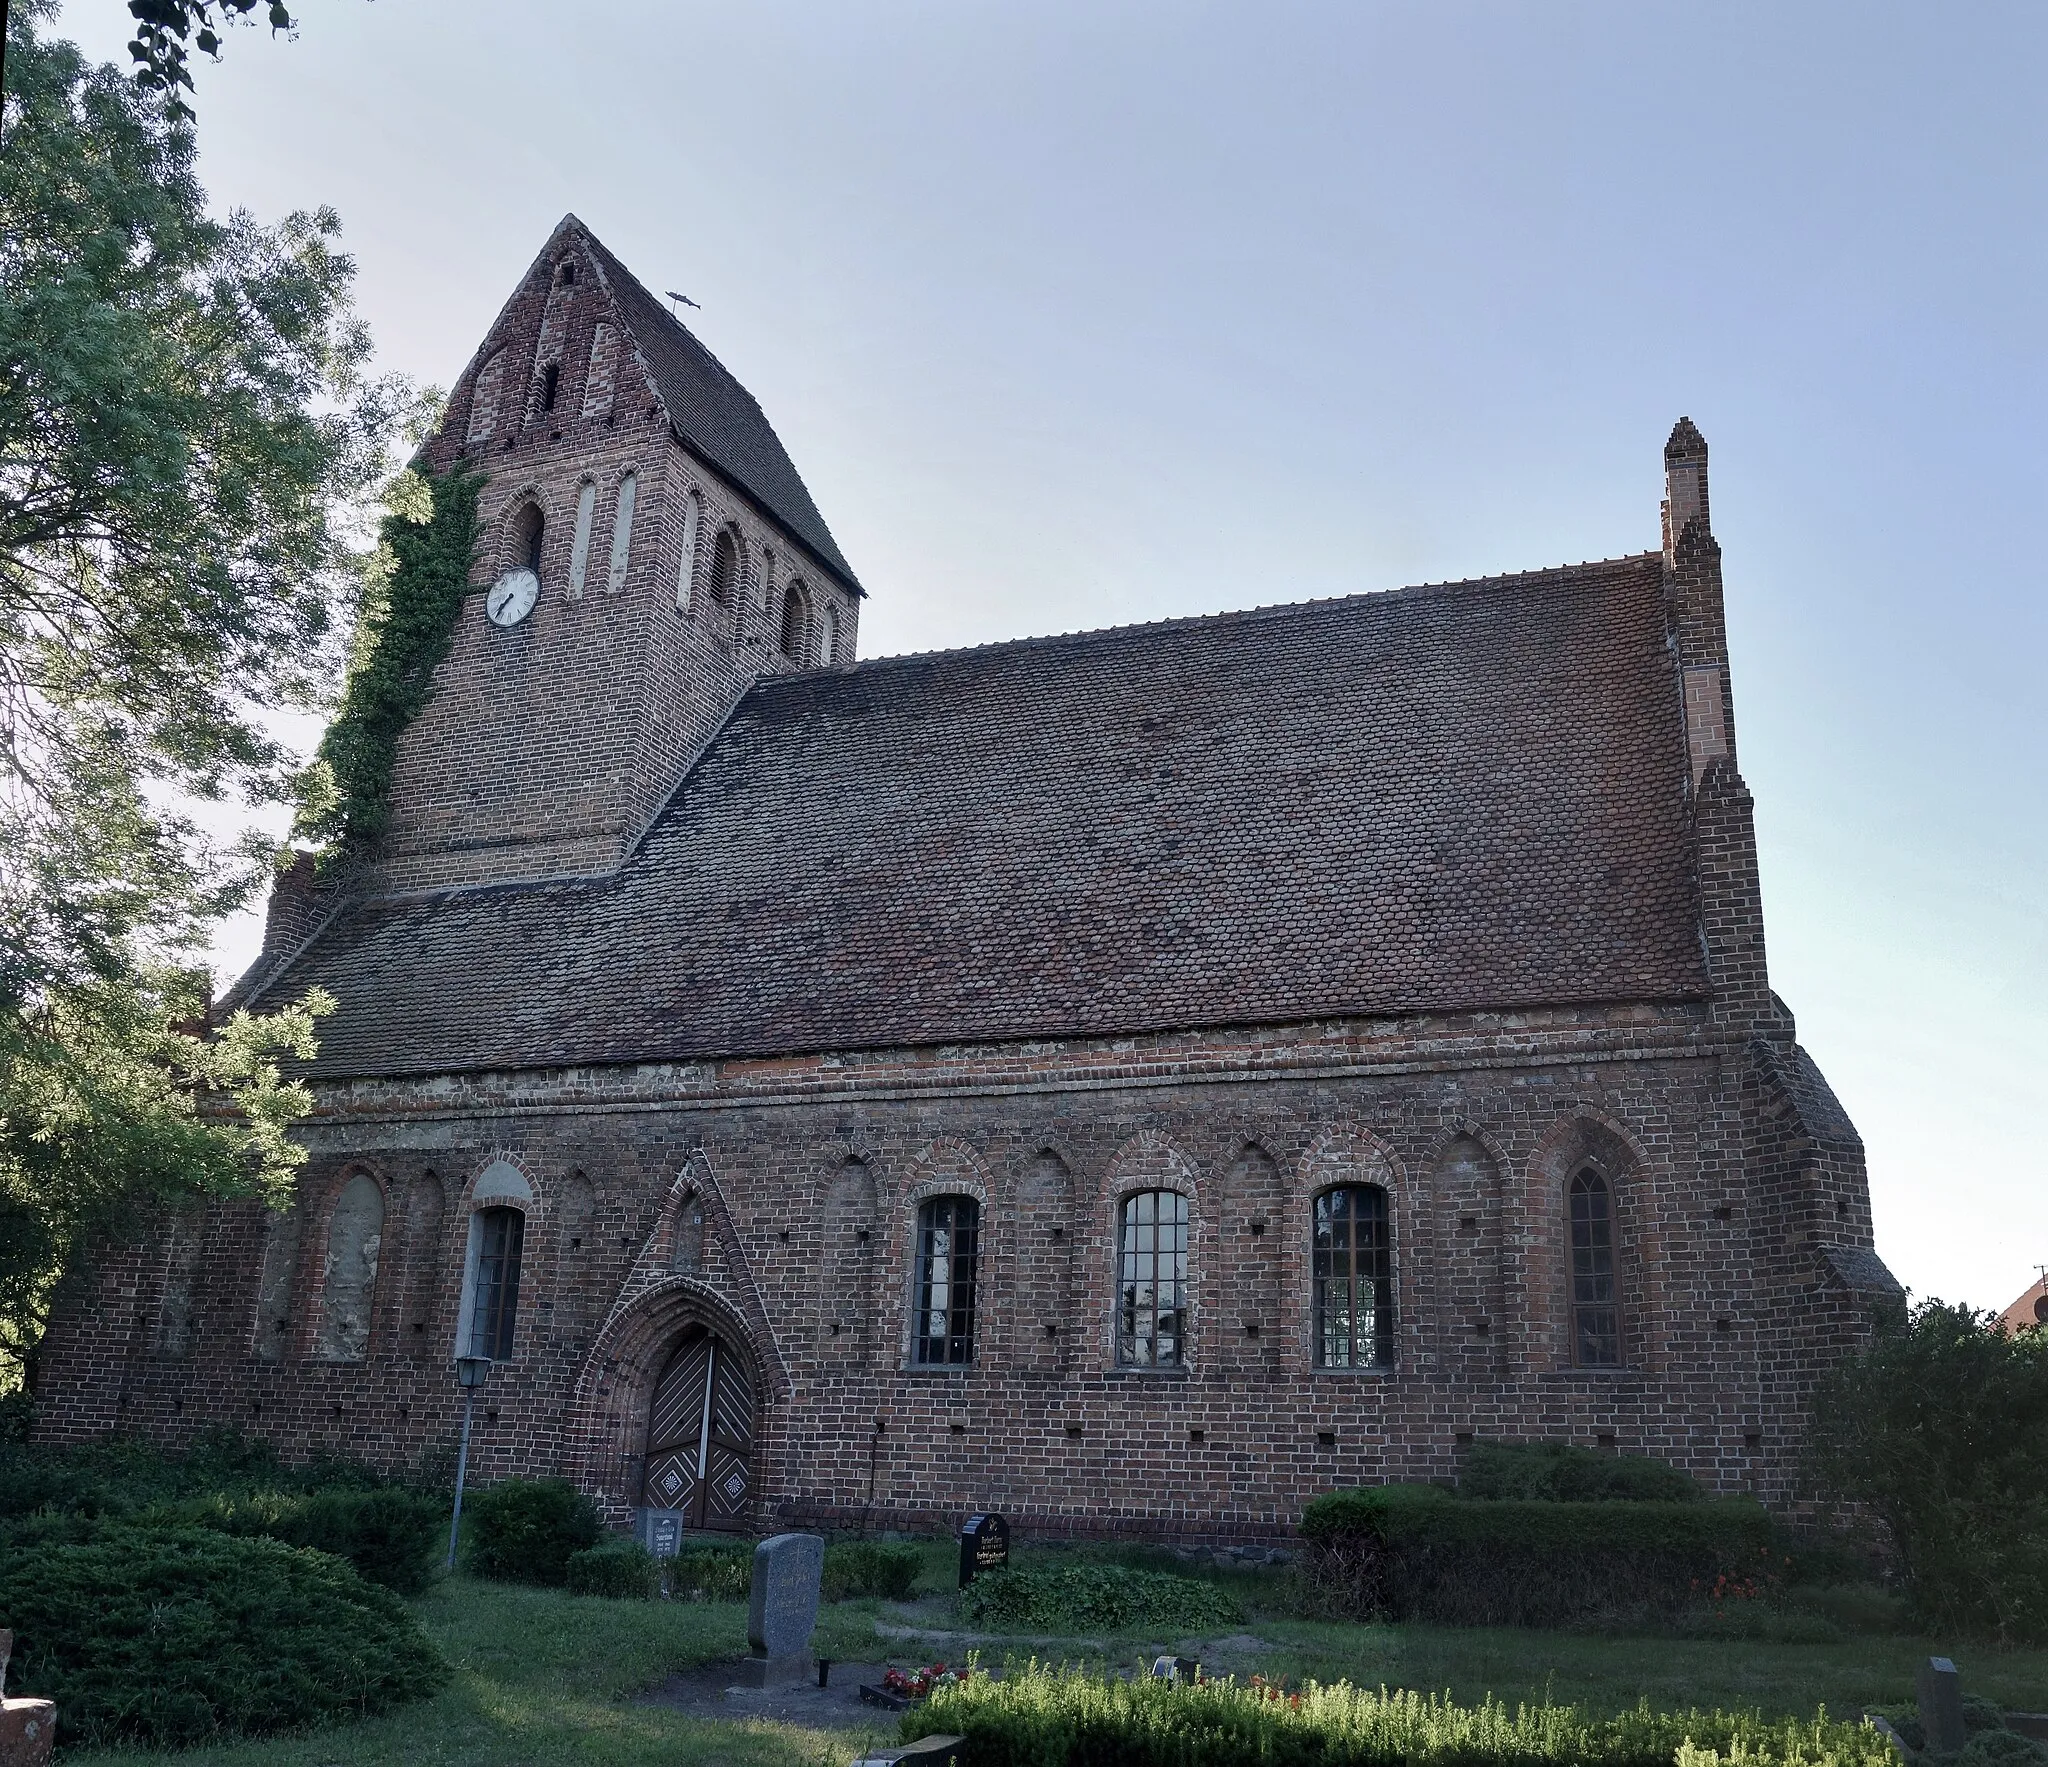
(713, 414)
(1452, 797)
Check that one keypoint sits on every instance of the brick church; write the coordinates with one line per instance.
(1134, 1080)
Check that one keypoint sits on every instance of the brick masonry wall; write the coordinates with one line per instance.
(1473, 1123)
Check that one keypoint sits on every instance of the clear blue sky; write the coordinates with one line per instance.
(1074, 314)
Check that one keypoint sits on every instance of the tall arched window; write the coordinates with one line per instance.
(550, 385)
(795, 624)
(1353, 1277)
(497, 1235)
(948, 1254)
(529, 529)
(579, 545)
(1152, 1280)
(686, 562)
(1596, 1314)
(622, 532)
(349, 1281)
(725, 567)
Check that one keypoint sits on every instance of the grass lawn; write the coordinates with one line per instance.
(545, 1678)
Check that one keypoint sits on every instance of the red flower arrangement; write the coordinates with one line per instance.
(919, 1682)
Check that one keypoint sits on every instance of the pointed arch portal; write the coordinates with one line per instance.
(700, 1434)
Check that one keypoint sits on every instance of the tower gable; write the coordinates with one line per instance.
(621, 459)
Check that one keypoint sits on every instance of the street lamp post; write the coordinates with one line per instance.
(469, 1375)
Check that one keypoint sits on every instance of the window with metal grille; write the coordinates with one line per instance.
(796, 624)
(500, 1234)
(725, 567)
(1152, 1280)
(1596, 1316)
(1353, 1277)
(948, 1250)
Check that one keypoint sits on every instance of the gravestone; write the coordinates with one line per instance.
(984, 1546)
(28, 1728)
(1941, 1705)
(661, 1531)
(782, 1609)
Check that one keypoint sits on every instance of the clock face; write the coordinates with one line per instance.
(512, 597)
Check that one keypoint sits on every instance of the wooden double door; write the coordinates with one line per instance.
(700, 1435)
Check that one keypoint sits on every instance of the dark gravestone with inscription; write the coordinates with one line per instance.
(782, 1609)
(984, 1546)
(661, 1531)
(1941, 1706)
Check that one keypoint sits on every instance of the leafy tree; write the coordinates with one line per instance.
(189, 444)
(163, 28)
(1940, 1430)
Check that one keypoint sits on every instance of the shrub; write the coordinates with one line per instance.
(1414, 1552)
(526, 1530)
(622, 1569)
(854, 1568)
(173, 1636)
(1039, 1715)
(1095, 1598)
(710, 1573)
(1940, 1429)
(1556, 1472)
(391, 1536)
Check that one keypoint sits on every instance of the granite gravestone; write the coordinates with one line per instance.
(782, 1609)
(1941, 1706)
(984, 1546)
(661, 1531)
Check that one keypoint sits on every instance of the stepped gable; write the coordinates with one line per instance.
(1467, 796)
(713, 415)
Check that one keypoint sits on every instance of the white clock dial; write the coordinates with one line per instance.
(512, 597)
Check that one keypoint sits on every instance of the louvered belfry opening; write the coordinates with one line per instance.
(700, 1435)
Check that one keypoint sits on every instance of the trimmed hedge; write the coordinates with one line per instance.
(1045, 1717)
(527, 1530)
(711, 1573)
(854, 1568)
(1095, 1598)
(622, 1569)
(391, 1535)
(1414, 1552)
(1556, 1472)
(173, 1636)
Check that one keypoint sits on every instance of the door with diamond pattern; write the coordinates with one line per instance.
(700, 1435)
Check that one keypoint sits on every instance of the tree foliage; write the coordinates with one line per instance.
(189, 448)
(165, 28)
(1940, 1430)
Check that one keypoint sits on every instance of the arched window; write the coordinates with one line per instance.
(795, 624)
(1152, 1280)
(550, 385)
(354, 1239)
(1353, 1277)
(725, 567)
(828, 636)
(686, 563)
(622, 532)
(1596, 1316)
(529, 529)
(686, 1256)
(569, 274)
(497, 1236)
(948, 1239)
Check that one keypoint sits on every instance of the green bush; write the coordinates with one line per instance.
(173, 1636)
(1040, 1717)
(1095, 1598)
(622, 1569)
(1939, 1428)
(710, 1573)
(391, 1535)
(526, 1530)
(1555, 1472)
(1414, 1552)
(854, 1568)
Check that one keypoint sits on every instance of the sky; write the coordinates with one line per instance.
(1080, 312)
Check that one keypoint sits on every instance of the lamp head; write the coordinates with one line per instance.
(470, 1370)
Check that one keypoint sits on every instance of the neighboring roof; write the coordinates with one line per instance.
(2030, 1310)
(1452, 797)
(716, 417)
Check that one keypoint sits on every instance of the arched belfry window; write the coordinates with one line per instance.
(569, 274)
(796, 624)
(1152, 1280)
(948, 1259)
(1353, 1278)
(1595, 1309)
(550, 385)
(725, 567)
(529, 529)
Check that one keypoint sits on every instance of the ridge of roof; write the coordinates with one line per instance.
(1265, 610)
(718, 418)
